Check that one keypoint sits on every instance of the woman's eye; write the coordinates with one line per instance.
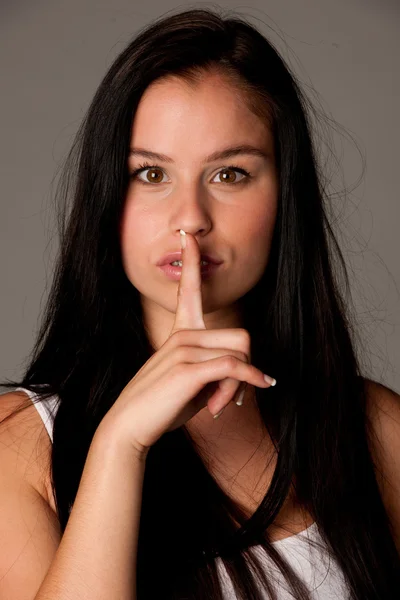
(154, 175)
(153, 178)
(227, 175)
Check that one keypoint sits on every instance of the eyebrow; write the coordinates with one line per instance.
(218, 155)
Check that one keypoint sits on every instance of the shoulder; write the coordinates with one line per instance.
(25, 447)
(383, 414)
(30, 531)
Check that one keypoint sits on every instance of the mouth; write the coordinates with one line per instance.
(174, 257)
(174, 271)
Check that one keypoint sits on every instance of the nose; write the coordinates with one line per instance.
(191, 213)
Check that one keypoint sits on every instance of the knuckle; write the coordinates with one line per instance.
(245, 339)
(178, 370)
(178, 337)
(240, 355)
(244, 357)
(180, 353)
(245, 335)
(229, 362)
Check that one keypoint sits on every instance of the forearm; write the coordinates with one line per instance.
(96, 558)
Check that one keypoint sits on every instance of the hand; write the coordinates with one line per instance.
(194, 368)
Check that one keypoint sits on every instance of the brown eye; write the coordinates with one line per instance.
(154, 178)
(152, 175)
(227, 175)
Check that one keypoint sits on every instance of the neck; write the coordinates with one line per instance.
(237, 451)
(234, 435)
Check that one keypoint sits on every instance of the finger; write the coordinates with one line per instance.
(230, 390)
(240, 394)
(217, 369)
(213, 338)
(189, 309)
(197, 354)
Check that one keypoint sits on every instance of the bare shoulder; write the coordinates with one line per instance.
(25, 447)
(30, 532)
(383, 412)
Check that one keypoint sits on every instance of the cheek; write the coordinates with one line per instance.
(256, 226)
(255, 237)
(137, 223)
(137, 229)
(128, 231)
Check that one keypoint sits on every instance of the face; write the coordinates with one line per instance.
(228, 204)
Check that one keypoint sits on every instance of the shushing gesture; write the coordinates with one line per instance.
(175, 383)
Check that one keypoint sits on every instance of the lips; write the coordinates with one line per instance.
(173, 256)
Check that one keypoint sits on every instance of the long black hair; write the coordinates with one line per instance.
(93, 340)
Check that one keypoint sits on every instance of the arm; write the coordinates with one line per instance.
(95, 558)
(97, 555)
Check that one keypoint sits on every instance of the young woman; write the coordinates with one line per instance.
(199, 133)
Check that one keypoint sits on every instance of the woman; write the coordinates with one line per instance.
(198, 132)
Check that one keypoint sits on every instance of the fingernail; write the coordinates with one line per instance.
(220, 413)
(183, 238)
(239, 401)
(270, 380)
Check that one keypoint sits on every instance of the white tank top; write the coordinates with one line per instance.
(319, 571)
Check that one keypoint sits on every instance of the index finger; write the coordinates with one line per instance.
(189, 310)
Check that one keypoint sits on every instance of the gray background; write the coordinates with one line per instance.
(53, 54)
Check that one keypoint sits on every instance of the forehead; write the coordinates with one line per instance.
(202, 114)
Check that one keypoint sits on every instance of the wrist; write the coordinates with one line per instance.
(111, 437)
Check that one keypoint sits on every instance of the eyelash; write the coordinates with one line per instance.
(146, 165)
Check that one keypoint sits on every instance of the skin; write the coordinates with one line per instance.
(233, 221)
